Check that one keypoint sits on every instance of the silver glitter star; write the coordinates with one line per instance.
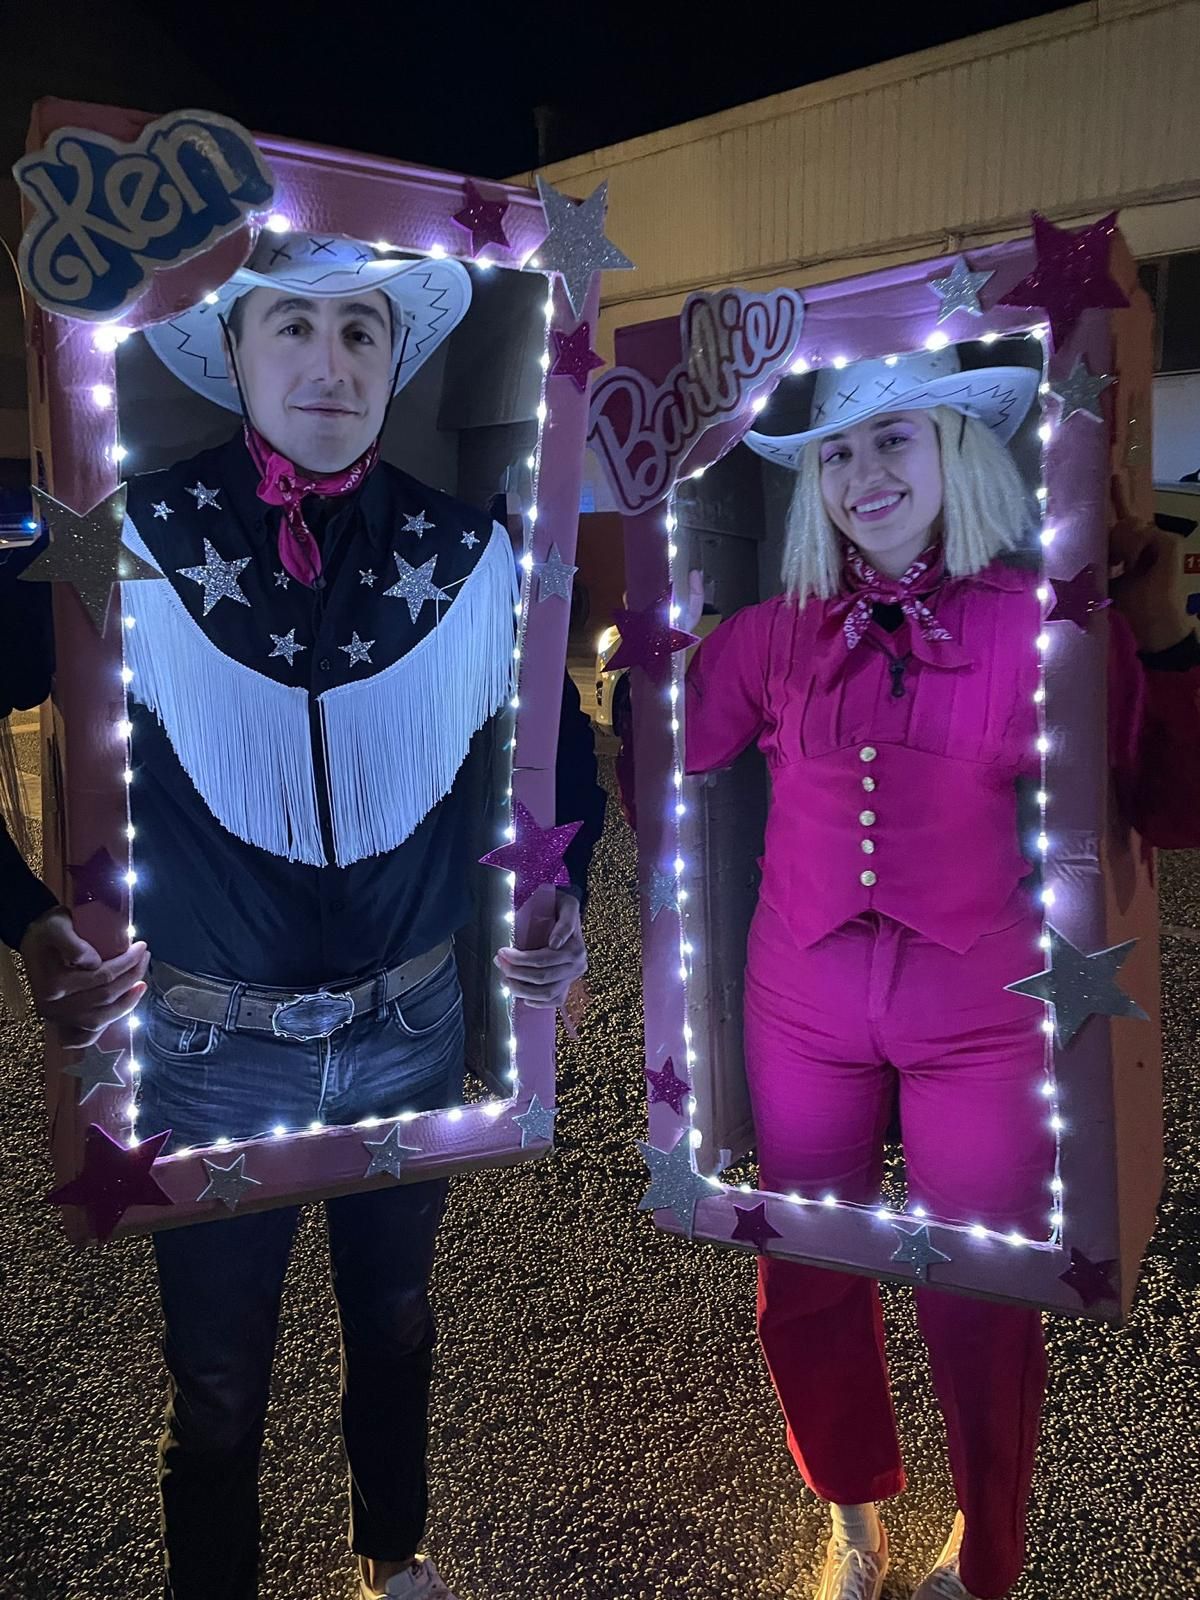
(959, 291)
(555, 577)
(917, 1251)
(85, 550)
(161, 509)
(575, 247)
(1079, 986)
(358, 650)
(415, 585)
(227, 1184)
(282, 580)
(536, 1123)
(367, 578)
(470, 539)
(674, 1185)
(219, 578)
(662, 892)
(388, 1155)
(204, 497)
(95, 1069)
(285, 645)
(417, 525)
(1081, 391)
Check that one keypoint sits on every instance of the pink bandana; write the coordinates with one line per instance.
(284, 484)
(867, 588)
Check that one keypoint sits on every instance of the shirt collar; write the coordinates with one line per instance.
(240, 477)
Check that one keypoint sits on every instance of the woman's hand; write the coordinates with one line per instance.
(1147, 588)
(692, 605)
(543, 977)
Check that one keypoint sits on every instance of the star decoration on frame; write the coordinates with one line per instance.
(95, 881)
(648, 639)
(1080, 391)
(576, 247)
(388, 1154)
(1079, 986)
(162, 510)
(113, 1178)
(662, 891)
(85, 550)
(1091, 1280)
(95, 1069)
(537, 1123)
(285, 645)
(555, 577)
(917, 1250)
(674, 1185)
(359, 650)
(228, 1184)
(667, 1088)
(218, 578)
(205, 497)
(1071, 275)
(482, 218)
(753, 1228)
(574, 357)
(535, 855)
(415, 585)
(959, 290)
(1077, 599)
(419, 524)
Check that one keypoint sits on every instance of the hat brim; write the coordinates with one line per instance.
(999, 397)
(431, 297)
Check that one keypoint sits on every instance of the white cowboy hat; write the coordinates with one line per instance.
(430, 298)
(997, 396)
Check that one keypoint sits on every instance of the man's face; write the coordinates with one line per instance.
(316, 373)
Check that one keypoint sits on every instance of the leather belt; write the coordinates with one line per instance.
(242, 1008)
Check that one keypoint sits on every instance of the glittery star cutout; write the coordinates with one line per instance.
(1071, 275)
(85, 550)
(648, 639)
(535, 855)
(574, 357)
(537, 1123)
(667, 1088)
(95, 881)
(97, 1069)
(555, 577)
(1079, 986)
(285, 645)
(482, 218)
(205, 497)
(113, 1178)
(470, 539)
(753, 1227)
(282, 579)
(418, 525)
(662, 892)
(227, 1184)
(415, 585)
(674, 1186)
(1091, 1280)
(358, 650)
(917, 1251)
(218, 578)
(367, 578)
(162, 509)
(959, 290)
(388, 1155)
(1081, 391)
(1076, 599)
(575, 246)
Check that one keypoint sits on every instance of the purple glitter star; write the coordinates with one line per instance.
(96, 880)
(113, 1178)
(1071, 275)
(1077, 599)
(535, 855)
(1091, 1280)
(667, 1087)
(574, 357)
(753, 1227)
(648, 640)
(482, 218)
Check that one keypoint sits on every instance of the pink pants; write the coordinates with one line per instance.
(830, 1032)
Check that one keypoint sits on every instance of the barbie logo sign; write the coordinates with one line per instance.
(732, 342)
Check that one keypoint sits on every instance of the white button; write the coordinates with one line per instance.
(869, 785)
(867, 818)
(868, 847)
(867, 753)
(867, 879)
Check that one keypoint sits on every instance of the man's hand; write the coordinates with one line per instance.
(1147, 589)
(72, 987)
(543, 977)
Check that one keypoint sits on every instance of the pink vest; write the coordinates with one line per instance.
(901, 805)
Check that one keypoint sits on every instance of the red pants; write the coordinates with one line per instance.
(830, 1032)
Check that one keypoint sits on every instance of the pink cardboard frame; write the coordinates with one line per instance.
(672, 409)
(72, 371)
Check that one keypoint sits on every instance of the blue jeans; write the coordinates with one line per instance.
(221, 1281)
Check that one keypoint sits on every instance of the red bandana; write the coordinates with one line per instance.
(865, 588)
(284, 484)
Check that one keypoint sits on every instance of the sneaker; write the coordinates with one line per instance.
(421, 1581)
(853, 1574)
(944, 1583)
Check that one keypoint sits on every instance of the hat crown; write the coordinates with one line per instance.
(852, 392)
(283, 255)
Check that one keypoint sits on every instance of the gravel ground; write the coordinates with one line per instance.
(603, 1427)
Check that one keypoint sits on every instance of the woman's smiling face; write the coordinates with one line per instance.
(881, 482)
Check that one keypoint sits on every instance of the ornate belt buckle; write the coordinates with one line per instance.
(311, 1016)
